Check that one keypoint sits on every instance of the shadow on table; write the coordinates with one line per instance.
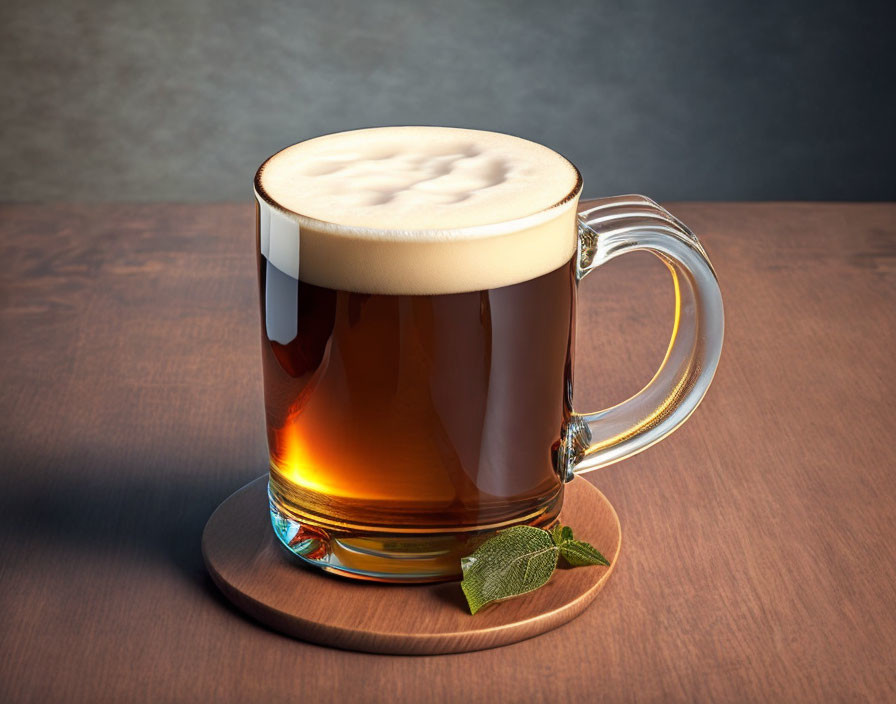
(142, 511)
(85, 507)
(137, 513)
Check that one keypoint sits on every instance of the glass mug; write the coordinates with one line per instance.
(418, 291)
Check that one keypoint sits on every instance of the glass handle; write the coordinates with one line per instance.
(616, 226)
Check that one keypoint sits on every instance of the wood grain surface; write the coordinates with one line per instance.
(760, 549)
(248, 564)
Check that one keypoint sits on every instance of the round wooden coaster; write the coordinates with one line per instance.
(264, 580)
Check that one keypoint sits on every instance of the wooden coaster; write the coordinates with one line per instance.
(267, 582)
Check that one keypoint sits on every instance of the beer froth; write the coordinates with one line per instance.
(417, 210)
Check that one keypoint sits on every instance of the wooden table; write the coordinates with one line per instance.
(759, 548)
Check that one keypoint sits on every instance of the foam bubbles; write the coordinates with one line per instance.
(420, 209)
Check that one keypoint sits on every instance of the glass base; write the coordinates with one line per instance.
(389, 557)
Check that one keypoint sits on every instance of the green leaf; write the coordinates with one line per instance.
(519, 560)
(516, 561)
(579, 554)
(561, 534)
(557, 534)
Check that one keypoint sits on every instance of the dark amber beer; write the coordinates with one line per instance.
(423, 413)
(418, 289)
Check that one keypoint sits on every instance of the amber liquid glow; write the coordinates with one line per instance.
(418, 413)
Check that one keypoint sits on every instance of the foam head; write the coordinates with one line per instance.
(417, 210)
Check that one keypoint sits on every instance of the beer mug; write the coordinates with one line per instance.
(418, 293)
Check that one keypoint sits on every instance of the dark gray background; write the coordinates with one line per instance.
(180, 100)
